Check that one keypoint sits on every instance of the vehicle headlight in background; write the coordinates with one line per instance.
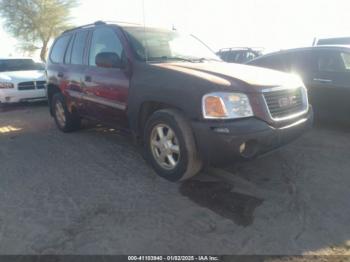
(222, 105)
(6, 85)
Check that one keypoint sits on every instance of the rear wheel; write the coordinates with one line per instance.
(170, 146)
(65, 120)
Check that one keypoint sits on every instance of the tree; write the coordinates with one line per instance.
(36, 22)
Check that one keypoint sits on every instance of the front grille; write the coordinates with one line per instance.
(40, 85)
(285, 103)
(24, 86)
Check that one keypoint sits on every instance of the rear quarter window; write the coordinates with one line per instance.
(59, 49)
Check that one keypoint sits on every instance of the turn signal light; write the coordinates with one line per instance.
(214, 107)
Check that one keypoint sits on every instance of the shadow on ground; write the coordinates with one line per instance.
(219, 198)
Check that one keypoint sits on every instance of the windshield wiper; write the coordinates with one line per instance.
(203, 59)
(167, 58)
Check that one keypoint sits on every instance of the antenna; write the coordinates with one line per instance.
(144, 28)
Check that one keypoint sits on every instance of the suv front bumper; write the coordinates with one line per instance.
(221, 142)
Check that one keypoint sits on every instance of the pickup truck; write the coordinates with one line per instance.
(186, 107)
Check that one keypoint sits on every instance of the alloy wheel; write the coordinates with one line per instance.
(165, 146)
(60, 114)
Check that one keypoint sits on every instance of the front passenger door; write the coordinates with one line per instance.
(107, 87)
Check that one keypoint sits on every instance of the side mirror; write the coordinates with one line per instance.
(108, 60)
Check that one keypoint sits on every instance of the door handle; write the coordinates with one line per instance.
(323, 80)
(60, 74)
(88, 78)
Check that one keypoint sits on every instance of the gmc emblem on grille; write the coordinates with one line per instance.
(287, 101)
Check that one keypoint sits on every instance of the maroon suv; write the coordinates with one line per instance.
(182, 103)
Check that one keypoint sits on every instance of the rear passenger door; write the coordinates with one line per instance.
(76, 59)
(57, 70)
(107, 88)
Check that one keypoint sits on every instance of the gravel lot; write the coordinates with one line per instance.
(90, 192)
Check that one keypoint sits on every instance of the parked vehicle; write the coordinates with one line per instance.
(21, 80)
(239, 55)
(184, 105)
(325, 71)
(332, 41)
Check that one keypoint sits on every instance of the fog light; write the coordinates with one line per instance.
(242, 148)
(249, 149)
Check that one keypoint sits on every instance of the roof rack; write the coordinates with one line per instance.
(85, 26)
(121, 22)
(100, 23)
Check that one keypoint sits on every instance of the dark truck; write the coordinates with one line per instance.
(239, 55)
(182, 103)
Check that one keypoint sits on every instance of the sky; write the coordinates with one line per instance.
(272, 24)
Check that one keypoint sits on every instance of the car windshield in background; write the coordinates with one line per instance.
(162, 45)
(7, 65)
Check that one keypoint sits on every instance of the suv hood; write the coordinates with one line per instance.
(22, 76)
(223, 73)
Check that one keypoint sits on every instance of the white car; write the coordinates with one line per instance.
(21, 79)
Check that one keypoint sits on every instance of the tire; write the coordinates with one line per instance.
(65, 120)
(180, 145)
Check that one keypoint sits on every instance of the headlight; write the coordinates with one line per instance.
(222, 105)
(6, 85)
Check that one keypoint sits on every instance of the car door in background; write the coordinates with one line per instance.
(330, 84)
(107, 88)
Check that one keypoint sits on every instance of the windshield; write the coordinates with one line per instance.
(7, 65)
(162, 45)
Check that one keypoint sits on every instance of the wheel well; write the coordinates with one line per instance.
(51, 90)
(147, 109)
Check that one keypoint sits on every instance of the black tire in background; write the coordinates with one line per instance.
(72, 121)
(189, 162)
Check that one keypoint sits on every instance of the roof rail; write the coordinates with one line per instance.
(121, 22)
(85, 26)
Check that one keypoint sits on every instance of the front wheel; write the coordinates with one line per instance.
(170, 146)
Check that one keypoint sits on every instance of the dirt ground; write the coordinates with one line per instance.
(90, 192)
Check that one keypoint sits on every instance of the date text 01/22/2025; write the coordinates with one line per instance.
(174, 258)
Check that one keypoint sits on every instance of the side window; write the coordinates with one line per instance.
(230, 56)
(104, 40)
(59, 49)
(346, 59)
(273, 62)
(68, 56)
(224, 56)
(78, 48)
(250, 56)
(330, 61)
